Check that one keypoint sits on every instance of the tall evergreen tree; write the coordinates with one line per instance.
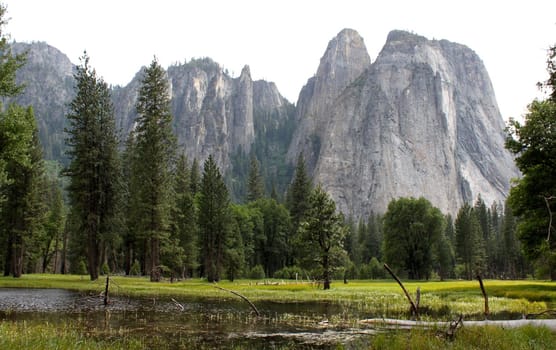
(94, 168)
(255, 184)
(298, 202)
(214, 220)
(10, 146)
(470, 249)
(184, 218)
(23, 211)
(155, 147)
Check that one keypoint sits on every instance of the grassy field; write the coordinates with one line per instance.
(462, 297)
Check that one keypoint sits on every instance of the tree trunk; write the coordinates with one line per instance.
(64, 250)
(155, 259)
(92, 254)
(8, 259)
(17, 257)
(326, 272)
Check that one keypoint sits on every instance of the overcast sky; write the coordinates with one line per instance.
(283, 40)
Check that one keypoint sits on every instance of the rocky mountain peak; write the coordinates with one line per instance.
(344, 60)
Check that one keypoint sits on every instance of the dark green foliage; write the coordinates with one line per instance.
(214, 220)
(271, 243)
(155, 148)
(257, 273)
(184, 220)
(411, 227)
(255, 185)
(94, 167)
(298, 200)
(322, 235)
(470, 249)
(23, 211)
(51, 239)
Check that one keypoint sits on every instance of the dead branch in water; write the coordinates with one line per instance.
(413, 306)
(242, 297)
(106, 297)
(484, 295)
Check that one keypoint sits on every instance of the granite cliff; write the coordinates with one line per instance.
(422, 120)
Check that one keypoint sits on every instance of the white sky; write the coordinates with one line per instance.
(283, 40)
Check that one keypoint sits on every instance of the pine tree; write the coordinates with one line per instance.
(23, 212)
(155, 147)
(255, 184)
(214, 220)
(298, 201)
(94, 167)
(184, 218)
(470, 250)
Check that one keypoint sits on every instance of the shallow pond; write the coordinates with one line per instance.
(193, 323)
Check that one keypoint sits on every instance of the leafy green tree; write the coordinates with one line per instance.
(94, 168)
(155, 147)
(255, 184)
(271, 245)
(533, 198)
(470, 249)
(411, 226)
(214, 220)
(323, 234)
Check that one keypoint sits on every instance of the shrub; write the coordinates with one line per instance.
(257, 273)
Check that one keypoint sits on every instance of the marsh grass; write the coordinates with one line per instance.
(534, 338)
(31, 335)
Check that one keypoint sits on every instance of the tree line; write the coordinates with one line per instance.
(140, 207)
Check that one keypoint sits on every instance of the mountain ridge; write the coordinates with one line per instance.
(421, 120)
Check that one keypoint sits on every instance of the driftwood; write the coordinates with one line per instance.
(242, 297)
(388, 323)
(413, 306)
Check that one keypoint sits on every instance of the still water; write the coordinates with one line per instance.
(196, 323)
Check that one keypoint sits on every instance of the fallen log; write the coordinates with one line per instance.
(389, 323)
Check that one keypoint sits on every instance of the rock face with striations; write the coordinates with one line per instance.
(213, 113)
(345, 59)
(421, 121)
(48, 79)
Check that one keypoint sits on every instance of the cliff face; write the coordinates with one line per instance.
(213, 113)
(345, 59)
(48, 79)
(421, 121)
